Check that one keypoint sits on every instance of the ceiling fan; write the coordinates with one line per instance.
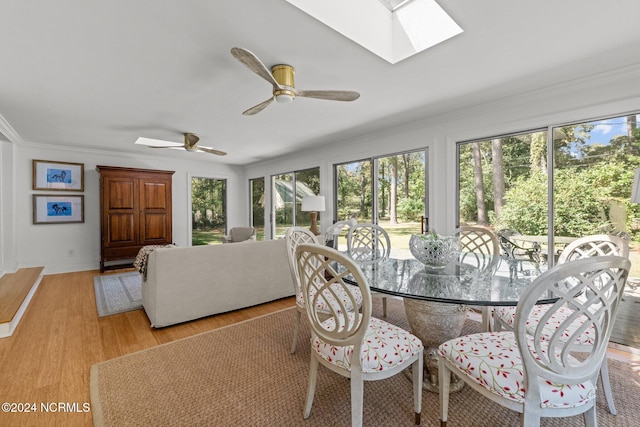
(190, 144)
(281, 78)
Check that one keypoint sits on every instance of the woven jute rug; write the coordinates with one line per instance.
(244, 375)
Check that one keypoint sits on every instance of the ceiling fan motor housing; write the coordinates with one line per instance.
(191, 141)
(284, 74)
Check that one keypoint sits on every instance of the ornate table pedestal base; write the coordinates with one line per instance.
(435, 323)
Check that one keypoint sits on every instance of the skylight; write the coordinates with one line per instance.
(394, 4)
(392, 29)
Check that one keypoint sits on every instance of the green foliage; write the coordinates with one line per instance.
(580, 207)
(410, 209)
(257, 201)
(526, 206)
(208, 203)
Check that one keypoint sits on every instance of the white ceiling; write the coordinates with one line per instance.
(98, 74)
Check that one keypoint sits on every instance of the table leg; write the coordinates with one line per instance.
(435, 323)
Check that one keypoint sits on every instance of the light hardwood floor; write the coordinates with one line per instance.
(47, 359)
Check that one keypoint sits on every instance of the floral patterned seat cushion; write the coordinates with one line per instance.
(493, 361)
(383, 347)
(508, 315)
(323, 306)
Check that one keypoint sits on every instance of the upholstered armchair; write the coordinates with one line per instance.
(240, 234)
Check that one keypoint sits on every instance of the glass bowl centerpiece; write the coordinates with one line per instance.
(433, 250)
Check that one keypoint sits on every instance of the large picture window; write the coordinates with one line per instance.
(288, 190)
(495, 180)
(389, 191)
(256, 189)
(578, 186)
(208, 210)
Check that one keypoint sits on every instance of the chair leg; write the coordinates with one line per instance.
(606, 386)
(529, 419)
(487, 315)
(444, 379)
(357, 392)
(313, 376)
(384, 306)
(590, 419)
(417, 369)
(296, 331)
(497, 325)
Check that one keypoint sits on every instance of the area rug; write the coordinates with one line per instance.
(244, 374)
(118, 293)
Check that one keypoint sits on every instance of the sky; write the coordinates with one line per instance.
(607, 129)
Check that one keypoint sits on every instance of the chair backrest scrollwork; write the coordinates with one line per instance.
(479, 246)
(550, 356)
(326, 277)
(295, 236)
(368, 243)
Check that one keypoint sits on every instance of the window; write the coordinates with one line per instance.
(288, 190)
(208, 210)
(256, 189)
(495, 170)
(389, 191)
(596, 160)
(579, 186)
(354, 191)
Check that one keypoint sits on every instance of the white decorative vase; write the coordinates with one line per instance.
(433, 250)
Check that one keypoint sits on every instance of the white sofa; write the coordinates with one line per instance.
(192, 282)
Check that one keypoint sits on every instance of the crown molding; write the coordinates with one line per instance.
(9, 132)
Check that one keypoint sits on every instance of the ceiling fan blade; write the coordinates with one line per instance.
(331, 95)
(252, 62)
(165, 146)
(157, 142)
(257, 108)
(212, 151)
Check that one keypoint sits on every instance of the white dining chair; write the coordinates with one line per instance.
(479, 247)
(295, 236)
(534, 370)
(351, 343)
(369, 243)
(585, 247)
(333, 232)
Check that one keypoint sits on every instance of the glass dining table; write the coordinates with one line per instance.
(436, 300)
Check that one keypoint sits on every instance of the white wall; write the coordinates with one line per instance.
(8, 259)
(613, 93)
(48, 245)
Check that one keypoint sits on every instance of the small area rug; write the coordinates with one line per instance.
(117, 293)
(244, 375)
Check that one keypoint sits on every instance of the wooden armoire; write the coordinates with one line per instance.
(135, 211)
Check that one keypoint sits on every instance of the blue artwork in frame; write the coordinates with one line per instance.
(58, 176)
(57, 209)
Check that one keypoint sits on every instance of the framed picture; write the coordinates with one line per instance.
(58, 176)
(49, 209)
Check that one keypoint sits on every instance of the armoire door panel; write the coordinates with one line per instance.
(121, 194)
(121, 229)
(154, 228)
(154, 195)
